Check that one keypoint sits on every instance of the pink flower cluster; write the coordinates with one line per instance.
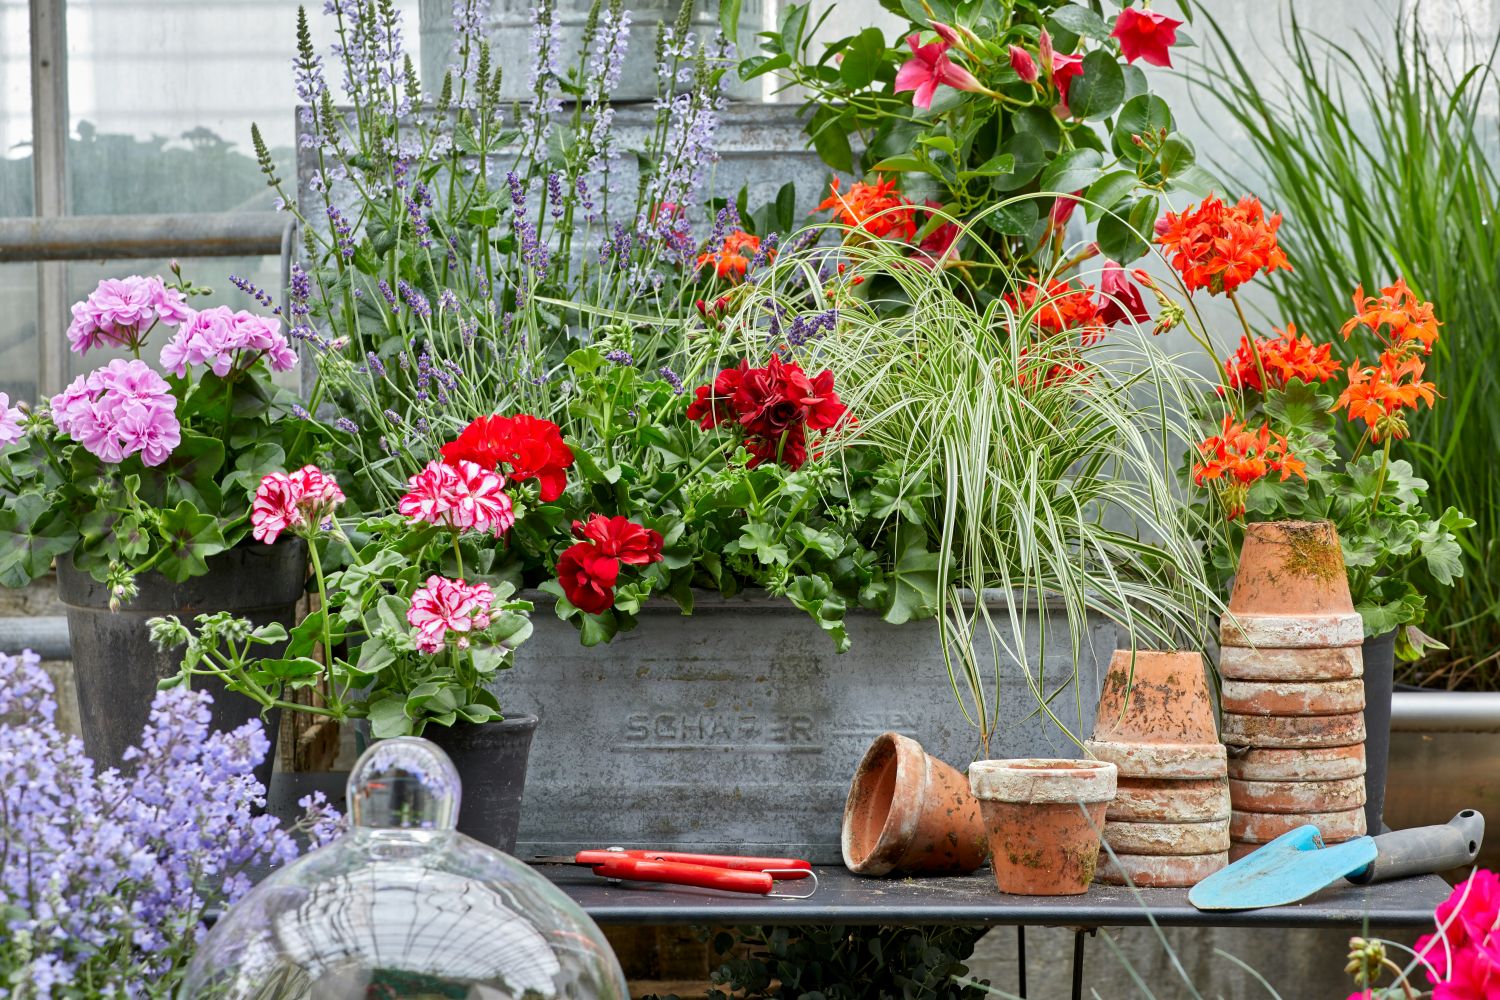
(298, 502)
(215, 337)
(444, 606)
(120, 410)
(121, 311)
(461, 496)
(1464, 960)
(10, 422)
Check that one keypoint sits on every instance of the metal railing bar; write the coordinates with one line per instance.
(124, 237)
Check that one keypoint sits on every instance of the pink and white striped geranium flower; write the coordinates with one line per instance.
(442, 606)
(462, 496)
(298, 503)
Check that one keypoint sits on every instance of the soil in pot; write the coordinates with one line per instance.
(1044, 819)
(116, 667)
(491, 759)
(909, 812)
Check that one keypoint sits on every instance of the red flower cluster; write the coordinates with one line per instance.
(1406, 319)
(877, 209)
(1379, 395)
(1063, 307)
(1237, 457)
(732, 260)
(1283, 358)
(1220, 248)
(589, 569)
(532, 448)
(775, 406)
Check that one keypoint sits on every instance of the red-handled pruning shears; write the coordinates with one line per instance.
(705, 871)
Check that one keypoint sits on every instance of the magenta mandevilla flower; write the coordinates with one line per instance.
(106, 876)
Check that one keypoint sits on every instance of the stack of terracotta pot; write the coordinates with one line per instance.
(1293, 697)
(1169, 822)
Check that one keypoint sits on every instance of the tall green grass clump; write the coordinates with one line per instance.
(1384, 165)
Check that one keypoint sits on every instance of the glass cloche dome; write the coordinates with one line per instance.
(404, 905)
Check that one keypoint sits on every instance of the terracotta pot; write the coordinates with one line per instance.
(1298, 796)
(1291, 568)
(907, 811)
(1156, 719)
(1293, 697)
(1262, 828)
(1240, 663)
(1147, 800)
(1209, 837)
(1311, 764)
(1158, 871)
(1043, 818)
(1294, 731)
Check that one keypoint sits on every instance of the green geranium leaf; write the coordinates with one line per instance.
(912, 590)
(1299, 410)
(760, 541)
(32, 534)
(388, 718)
(814, 594)
(189, 473)
(1440, 548)
(189, 538)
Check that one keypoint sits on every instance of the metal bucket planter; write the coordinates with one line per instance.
(738, 728)
(116, 667)
(491, 758)
(513, 48)
(1444, 756)
(1380, 670)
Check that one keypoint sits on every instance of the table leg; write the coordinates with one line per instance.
(1078, 963)
(1021, 961)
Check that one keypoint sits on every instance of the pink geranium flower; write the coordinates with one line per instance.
(1145, 34)
(122, 409)
(220, 338)
(11, 430)
(443, 606)
(462, 496)
(929, 67)
(298, 503)
(121, 311)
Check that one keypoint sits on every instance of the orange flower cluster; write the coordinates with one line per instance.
(1063, 307)
(1237, 457)
(1380, 394)
(1220, 248)
(877, 209)
(732, 260)
(1282, 358)
(1407, 319)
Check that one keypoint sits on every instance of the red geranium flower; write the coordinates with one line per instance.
(732, 260)
(1283, 358)
(1145, 34)
(1220, 248)
(620, 537)
(877, 209)
(532, 448)
(588, 577)
(1063, 307)
(774, 405)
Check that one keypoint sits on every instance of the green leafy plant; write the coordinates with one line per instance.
(1385, 164)
(979, 102)
(1031, 458)
(133, 469)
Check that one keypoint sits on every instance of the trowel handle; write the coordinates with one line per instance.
(1424, 849)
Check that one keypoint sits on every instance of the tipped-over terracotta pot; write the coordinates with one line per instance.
(1291, 568)
(1156, 719)
(907, 811)
(1044, 819)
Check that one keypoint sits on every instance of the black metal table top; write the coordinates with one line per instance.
(845, 898)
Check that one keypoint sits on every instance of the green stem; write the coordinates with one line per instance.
(317, 565)
(1250, 340)
(1385, 463)
(458, 555)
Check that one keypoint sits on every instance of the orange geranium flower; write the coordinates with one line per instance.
(877, 209)
(1220, 248)
(1407, 319)
(1237, 457)
(1063, 308)
(1379, 395)
(1283, 357)
(732, 260)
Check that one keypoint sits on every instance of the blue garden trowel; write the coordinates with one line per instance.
(1295, 865)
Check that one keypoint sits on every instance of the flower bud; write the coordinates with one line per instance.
(1023, 64)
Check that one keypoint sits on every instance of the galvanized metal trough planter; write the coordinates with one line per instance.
(738, 728)
(1445, 756)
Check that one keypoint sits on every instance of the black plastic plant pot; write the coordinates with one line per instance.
(116, 667)
(1380, 669)
(491, 758)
